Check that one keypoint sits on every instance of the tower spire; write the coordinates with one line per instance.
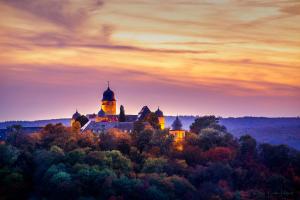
(108, 84)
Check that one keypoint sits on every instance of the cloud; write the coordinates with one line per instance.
(140, 49)
(61, 40)
(292, 10)
(67, 13)
(220, 49)
(247, 62)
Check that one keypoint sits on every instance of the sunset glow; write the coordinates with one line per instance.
(222, 57)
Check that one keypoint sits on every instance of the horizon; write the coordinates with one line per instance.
(221, 117)
(182, 56)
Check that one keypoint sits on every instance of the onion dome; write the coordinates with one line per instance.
(159, 113)
(76, 115)
(177, 125)
(108, 95)
(101, 113)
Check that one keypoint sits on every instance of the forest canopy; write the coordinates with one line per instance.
(60, 162)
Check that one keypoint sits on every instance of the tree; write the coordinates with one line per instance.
(88, 139)
(115, 139)
(223, 154)
(247, 149)
(179, 187)
(76, 156)
(153, 120)
(14, 134)
(62, 185)
(15, 186)
(76, 126)
(138, 126)
(155, 165)
(58, 135)
(278, 183)
(193, 155)
(8, 155)
(201, 123)
(122, 117)
(210, 137)
(117, 161)
(275, 157)
(162, 141)
(142, 139)
(58, 163)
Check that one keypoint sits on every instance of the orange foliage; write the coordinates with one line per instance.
(220, 154)
(118, 134)
(87, 139)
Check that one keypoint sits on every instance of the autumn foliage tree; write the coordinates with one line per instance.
(61, 162)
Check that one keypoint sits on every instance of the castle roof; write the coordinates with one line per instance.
(76, 115)
(159, 113)
(177, 125)
(144, 113)
(108, 95)
(103, 126)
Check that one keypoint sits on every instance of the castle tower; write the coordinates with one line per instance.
(161, 118)
(75, 116)
(108, 104)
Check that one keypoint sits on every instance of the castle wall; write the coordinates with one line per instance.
(109, 107)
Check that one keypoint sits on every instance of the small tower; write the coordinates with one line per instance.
(75, 116)
(161, 118)
(108, 103)
(178, 134)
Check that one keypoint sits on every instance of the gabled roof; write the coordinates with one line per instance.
(144, 113)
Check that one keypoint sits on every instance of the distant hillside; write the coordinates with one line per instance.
(37, 123)
(271, 130)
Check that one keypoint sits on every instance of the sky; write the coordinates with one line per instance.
(189, 57)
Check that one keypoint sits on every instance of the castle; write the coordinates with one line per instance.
(107, 118)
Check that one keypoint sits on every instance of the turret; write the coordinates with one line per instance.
(75, 116)
(161, 118)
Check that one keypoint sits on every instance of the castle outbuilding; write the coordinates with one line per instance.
(101, 116)
(178, 133)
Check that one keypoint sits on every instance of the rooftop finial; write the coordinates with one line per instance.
(108, 84)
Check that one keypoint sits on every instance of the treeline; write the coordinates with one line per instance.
(63, 163)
